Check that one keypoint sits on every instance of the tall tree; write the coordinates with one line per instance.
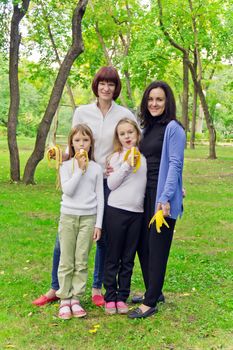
(196, 75)
(19, 11)
(74, 51)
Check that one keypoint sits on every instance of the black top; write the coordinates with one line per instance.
(151, 147)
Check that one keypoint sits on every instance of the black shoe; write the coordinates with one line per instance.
(161, 298)
(139, 299)
(137, 313)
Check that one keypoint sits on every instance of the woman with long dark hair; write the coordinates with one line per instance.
(163, 146)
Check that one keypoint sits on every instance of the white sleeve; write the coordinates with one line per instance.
(100, 199)
(69, 180)
(120, 171)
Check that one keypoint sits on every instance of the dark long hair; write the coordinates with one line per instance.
(169, 114)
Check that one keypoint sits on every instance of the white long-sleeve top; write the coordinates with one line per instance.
(103, 127)
(127, 188)
(82, 193)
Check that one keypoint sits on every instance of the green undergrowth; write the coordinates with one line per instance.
(198, 313)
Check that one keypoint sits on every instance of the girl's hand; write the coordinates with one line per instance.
(82, 162)
(134, 161)
(165, 208)
(96, 234)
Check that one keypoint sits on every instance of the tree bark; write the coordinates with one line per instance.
(194, 114)
(15, 38)
(75, 50)
(208, 119)
(194, 110)
(68, 88)
(185, 98)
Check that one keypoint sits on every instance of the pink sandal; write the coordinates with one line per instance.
(65, 312)
(77, 309)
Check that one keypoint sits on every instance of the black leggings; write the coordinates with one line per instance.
(153, 250)
(123, 229)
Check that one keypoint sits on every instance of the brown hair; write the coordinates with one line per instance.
(117, 146)
(85, 130)
(108, 74)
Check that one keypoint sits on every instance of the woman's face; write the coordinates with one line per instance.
(106, 90)
(156, 102)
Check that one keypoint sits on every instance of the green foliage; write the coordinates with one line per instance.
(198, 313)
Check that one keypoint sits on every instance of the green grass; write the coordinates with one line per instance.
(198, 313)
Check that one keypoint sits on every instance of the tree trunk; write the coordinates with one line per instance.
(194, 113)
(68, 88)
(75, 50)
(185, 92)
(209, 123)
(15, 39)
(128, 87)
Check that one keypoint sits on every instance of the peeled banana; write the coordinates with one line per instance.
(79, 154)
(159, 220)
(55, 153)
(135, 154)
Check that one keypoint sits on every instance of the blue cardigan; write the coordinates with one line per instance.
(169, 188)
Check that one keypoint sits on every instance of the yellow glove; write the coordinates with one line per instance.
(135, 154)
(159, 220)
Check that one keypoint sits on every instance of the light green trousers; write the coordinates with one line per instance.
(76, 237)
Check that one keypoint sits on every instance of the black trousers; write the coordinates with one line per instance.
(123, 230)
(153, 250)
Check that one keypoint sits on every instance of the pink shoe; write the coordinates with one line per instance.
(77, 309)
(65, 311)
(43, 300)
(110, 308)
(122, 308)
(98, 300)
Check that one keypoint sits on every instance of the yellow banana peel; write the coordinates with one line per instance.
(79, 154)
(159, 220)
(134, 154)
(55, 153)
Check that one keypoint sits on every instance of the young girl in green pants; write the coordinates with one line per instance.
(81, 217)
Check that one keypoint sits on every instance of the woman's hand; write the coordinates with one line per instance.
(165, 208)
(96, 234)
(108, 170)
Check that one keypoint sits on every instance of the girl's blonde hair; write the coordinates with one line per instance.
(85, 130)
(117, 146)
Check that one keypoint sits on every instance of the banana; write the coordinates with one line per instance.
(159, 220)
(134, 152)
(55, 153)
(79, 154)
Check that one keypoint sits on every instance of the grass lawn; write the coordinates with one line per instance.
(198, 313)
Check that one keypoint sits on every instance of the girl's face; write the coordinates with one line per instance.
(127, 135)
(106, 90)
(156, 102)
(80, 141)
